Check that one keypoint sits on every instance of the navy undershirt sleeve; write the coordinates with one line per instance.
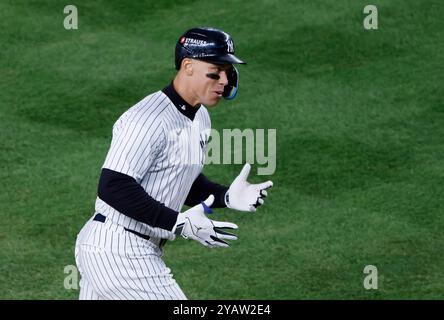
(124, 194)
(202, 188)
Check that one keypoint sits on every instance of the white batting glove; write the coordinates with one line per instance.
(244, 196)
(195, 225)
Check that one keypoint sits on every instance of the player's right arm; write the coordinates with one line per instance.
(136, 142)
(132, 151)
(123, 193)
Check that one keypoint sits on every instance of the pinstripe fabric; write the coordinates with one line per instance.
(163, 151)
(116, 264)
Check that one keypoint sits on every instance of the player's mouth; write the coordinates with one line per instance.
(219, 93)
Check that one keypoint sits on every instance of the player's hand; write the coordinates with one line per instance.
(195, 225)
(244, 196)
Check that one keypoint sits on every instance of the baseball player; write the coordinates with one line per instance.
(153, 168)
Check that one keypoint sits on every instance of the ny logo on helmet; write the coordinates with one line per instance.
(230, 46)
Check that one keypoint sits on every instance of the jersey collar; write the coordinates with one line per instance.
(182, 106)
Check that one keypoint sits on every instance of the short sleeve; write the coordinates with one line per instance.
(134, 147)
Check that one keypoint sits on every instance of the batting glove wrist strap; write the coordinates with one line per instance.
(194, 224)
(244, 196)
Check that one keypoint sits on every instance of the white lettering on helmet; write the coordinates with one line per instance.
(230, 46)
(194, 41)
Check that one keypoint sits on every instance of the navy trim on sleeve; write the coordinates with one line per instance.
(202, 188)
(124, 194)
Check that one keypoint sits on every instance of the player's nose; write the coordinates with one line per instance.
(223, 80)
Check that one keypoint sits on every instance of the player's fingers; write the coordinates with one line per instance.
(264, 185)
(224, 225)
(210, 245)
(259, 202)
(225, 235)
(205, 243)
(207, 204)
(263, 193)
(209, 201)
(243, 175)
(219, 242)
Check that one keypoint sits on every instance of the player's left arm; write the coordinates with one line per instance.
(240, 195)
(245, 196)
(202, 188)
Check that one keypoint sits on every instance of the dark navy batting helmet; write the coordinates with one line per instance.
(213, 46)
(207, 44)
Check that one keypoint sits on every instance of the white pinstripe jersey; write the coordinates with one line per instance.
(162, 149)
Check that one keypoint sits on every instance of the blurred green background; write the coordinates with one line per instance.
(360, 141)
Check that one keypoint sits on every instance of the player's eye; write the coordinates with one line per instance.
(214, 76)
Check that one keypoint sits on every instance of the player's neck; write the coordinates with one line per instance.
(184, 91)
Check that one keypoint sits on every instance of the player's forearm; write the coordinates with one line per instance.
(202, 188)
(124, 194)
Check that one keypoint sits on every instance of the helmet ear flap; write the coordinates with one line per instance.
(181, 53)
(230, 90)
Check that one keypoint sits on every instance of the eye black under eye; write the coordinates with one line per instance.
(213, 76)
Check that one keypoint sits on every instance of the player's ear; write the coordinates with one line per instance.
(187, 66)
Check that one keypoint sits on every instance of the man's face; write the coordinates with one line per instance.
(208, 91)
